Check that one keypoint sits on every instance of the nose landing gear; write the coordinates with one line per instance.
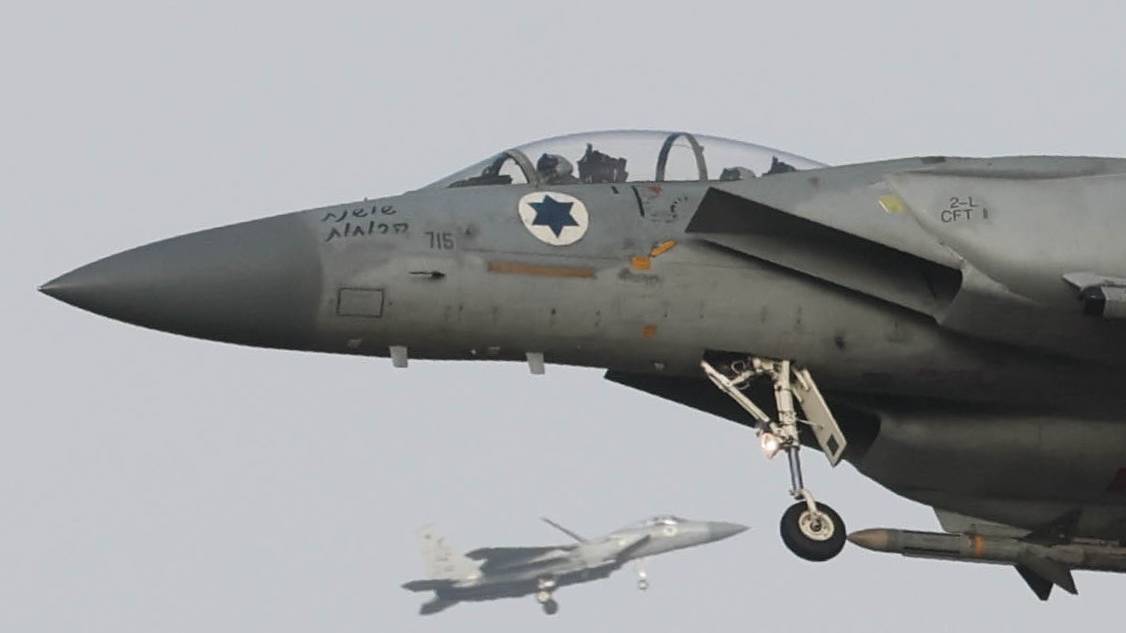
(811, 530)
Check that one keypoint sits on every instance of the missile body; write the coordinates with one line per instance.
(992, 549)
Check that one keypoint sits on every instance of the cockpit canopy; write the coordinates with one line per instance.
(665, 519)
(626, 156)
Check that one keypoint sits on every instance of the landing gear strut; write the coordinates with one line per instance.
(544, 596)
(812, 530)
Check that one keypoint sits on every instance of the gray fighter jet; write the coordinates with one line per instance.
(490, 573)
(965, 318)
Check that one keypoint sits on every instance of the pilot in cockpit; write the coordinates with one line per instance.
(555, 170)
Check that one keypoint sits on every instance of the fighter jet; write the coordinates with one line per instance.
(963, 317)
(491, 573)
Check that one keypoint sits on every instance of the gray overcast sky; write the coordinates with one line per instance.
(155, 483)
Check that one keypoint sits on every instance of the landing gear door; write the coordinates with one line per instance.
(820, 418)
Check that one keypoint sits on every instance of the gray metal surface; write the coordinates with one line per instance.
(929, 296)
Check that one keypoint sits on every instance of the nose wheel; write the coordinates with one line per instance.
(642, 576)
(816, 534)
(811, 530)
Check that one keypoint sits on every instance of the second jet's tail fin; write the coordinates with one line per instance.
(435, 605)
(429, 584)
(441, 560)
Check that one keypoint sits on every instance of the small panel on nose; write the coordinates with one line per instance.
(360, 302)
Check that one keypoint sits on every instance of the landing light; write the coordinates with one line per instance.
(770, 444)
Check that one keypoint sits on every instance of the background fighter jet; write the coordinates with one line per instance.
(490, 573)
(962, 317)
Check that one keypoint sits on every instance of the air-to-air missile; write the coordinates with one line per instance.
(1035, 561)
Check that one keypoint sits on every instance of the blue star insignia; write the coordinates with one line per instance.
(553, 214)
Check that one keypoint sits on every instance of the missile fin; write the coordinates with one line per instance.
(1047, 570)
(1041, 587)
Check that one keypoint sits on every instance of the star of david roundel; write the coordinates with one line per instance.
(555, 218)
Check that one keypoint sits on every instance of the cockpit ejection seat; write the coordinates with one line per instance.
(596, 167)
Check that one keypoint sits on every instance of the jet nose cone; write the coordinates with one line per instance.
(256, 283)
(54, 288)
(721, 529)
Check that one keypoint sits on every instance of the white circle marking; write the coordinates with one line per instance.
(554, 218)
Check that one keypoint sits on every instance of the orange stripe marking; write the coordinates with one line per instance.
(538, 270)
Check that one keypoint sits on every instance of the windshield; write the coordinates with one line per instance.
(666, 519)
(626, 156)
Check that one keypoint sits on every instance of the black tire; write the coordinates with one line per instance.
(804, 545)
(551, 607)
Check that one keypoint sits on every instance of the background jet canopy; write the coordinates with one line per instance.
(665, 519)
(626, 156)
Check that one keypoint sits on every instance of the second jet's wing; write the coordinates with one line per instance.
(631, 546)
(507, 557)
